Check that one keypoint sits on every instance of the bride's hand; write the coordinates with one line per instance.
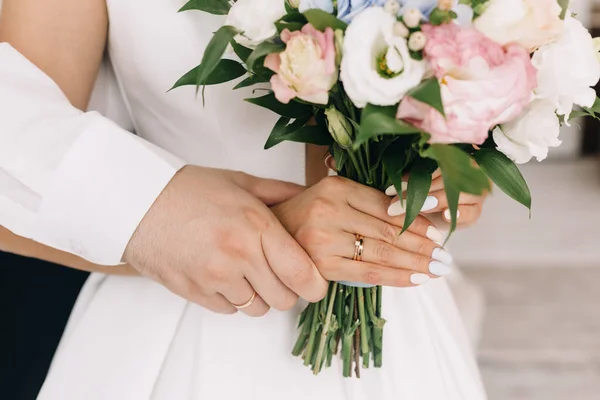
(211, 239)
(469, 206)
(325, 219)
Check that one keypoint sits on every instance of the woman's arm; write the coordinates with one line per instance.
(11, 243)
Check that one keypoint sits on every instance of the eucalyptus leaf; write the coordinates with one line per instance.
(458, 169)
(290, 110)
(419, 183)
(261, 51)
(217, 7)
(322, 20)
(214, 51)
(429, 92)
(225, 71)
(505, 174)
(376, 120)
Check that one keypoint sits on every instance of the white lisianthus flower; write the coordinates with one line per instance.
(568, 68)
(531, 134)
(377, 67)
(530, 23)
(256, 19)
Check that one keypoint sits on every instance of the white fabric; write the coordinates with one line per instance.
(60, 168)
(130, 338)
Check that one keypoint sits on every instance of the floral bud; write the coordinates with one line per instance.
(392, 6)
(412, 17)
(416, 41)
(339, 127)
(294, 3)
(445, 5)
(401, 30)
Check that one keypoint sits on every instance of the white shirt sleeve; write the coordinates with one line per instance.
(71, 180)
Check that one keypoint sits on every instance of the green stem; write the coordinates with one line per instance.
(305, 332)
(325, 333)
(379, 301)
(311, 338)
(357, 166)
(363, 323)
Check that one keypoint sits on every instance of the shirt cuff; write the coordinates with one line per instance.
(101, 191)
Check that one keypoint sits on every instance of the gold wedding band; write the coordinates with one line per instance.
(358, 248)
(246, 304)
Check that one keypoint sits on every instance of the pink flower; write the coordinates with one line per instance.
(306, 68)
(483, 85)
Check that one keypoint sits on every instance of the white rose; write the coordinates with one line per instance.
(568, 68)
(376, 66)
(530, 23)
(256, 19)
(530, 134)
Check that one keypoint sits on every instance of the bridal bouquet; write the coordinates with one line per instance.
(398, 89)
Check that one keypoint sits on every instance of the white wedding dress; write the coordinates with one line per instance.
(130, 338)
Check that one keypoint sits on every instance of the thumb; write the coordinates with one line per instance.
(270, 191)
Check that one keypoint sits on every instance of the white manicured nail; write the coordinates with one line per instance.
(431, 202)
(396, 209)
(442, 255)
(391, 191)
(438, 268)
(434, 234)
(448, 216)
(419, 279)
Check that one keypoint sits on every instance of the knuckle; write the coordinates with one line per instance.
(419, 263)
(286, 303)
(320, 208)
(425, 247)
(333, 183)
(257, 219)
(383, 253)
(371, 276)
(389, 233)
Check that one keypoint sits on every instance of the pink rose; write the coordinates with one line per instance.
(483, 85)
(306, 68)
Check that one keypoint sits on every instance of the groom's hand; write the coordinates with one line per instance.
(211, 239)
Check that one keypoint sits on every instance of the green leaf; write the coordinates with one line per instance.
(419, 184)
(377, 120)
(291, 26)
(249, 81)
(595, 108)
(261, 51)
(242, 52)
(297, 131)
(395, 159)
(505, 174)
(564, 5)
(217, 7)
(321, 20)
(214, 51)
(290, 110)
(225, 71)
(429, 92)
(458, 169)
(340, 156)
(294, 17)
(452, 196)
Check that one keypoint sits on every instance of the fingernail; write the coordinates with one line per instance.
(439, 269)
(391, 191)
(419, 279)
(431, 202)
(395, 209)
(434, 234)
(448, 216)
(442, 255)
